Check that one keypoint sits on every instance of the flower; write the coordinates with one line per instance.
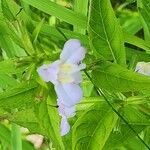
(65, 75)
(143, 68)
(65, 112)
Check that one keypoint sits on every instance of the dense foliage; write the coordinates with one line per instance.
(114, 113)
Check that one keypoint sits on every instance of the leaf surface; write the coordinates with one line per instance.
(93, 128)
(104, 31)
(56, 10)
(113, 77)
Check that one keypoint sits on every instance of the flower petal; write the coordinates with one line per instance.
(78, 56)
(143, 68)
(70, 94)
(65, 127)
(66, 111)
(44, 73)
(49, 72)
(139, 66)
(69, 49)
(77, 77)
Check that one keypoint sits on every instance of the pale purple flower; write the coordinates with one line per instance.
(64, 125)
(65, 112)
(143, 68)
(65, 75)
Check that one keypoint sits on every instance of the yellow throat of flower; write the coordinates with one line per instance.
(66, 68)
(65, 73)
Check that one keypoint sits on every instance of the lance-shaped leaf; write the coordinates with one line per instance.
(113, 77)
(19, 96)
(144, 8)
(136, 119)
(93, 128)
(5, 137)
(6, 81)
(81, 7)
(6, 11)
(104, 31)
(48, 120)
(9, 67)
(6, 43)
(44, 120)
(59, 11)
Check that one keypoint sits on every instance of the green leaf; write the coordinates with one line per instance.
(140, 55)
(130, 1)
(16, 10)
(8, 66)
(92, 129)
(16, 141)
(58, 11)
(7, 81)
(81, 7)
(105, 32)
(19, 96)
(134, 116)
(36, 31)
(136, 41)
(26, 39)
(43, 120)
(48, 119)
(144, 11)
(87, 102)
(52, 32)
(9, 31)
(12, 28)
(6, 11)
(124, 134)
(146, 135)
(27, 145)
(5, 136)
(113, 77)
(134, 56)
(130, 21)
(121, 136)
(134, 143)
(7, 45)
(27, 118)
